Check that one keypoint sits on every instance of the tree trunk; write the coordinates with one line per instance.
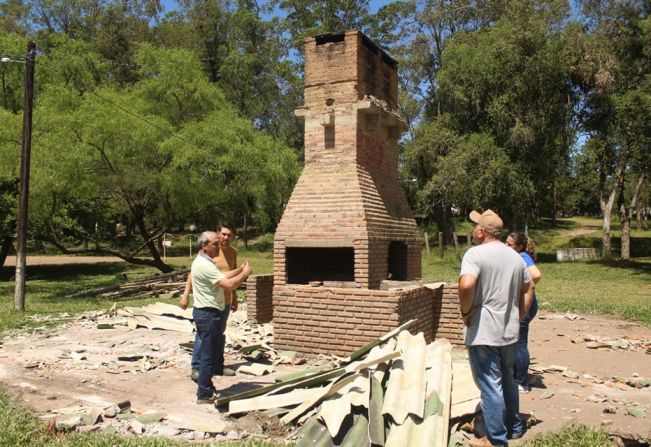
(245, 236)
(626, 215)
(151, 244)
(636, 203)
(605, 236)
(625, 223)
(5, 248)
(606, 204)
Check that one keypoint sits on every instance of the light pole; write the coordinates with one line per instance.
(21, 255)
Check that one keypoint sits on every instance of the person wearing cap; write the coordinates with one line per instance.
(492, 284)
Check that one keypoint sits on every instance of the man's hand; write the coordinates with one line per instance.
(184, 301)
(466, 319)
(246, 268)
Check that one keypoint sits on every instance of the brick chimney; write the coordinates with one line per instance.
(348, 221)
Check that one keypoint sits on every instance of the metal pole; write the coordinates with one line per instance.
(21, 255)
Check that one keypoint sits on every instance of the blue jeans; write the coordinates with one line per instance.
(209, 323)
(492, 369)
(522, 358)
(219, 364)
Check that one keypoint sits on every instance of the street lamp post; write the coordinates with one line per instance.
(21, 255)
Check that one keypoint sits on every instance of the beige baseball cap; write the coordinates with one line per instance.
(488, 220)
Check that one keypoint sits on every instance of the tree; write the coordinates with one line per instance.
(614, 78)
(151, 156)
(13, 17)
(510, 84)
(470, 172)
(10, 144)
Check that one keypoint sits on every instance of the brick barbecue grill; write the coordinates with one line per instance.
(348, 221)
(347, 226)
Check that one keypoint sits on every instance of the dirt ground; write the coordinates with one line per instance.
(77, 364)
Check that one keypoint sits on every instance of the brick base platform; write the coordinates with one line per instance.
(324, 320)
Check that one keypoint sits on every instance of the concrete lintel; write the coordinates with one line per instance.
(324, 243)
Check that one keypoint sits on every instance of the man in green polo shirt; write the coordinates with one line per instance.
(208, 285)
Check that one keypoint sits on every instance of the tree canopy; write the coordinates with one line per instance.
(153, 118)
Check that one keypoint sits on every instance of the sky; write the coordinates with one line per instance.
(374, 5)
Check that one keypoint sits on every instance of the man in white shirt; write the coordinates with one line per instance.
(208, 285)
(492, 284)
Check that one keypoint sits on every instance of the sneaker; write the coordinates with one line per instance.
(194, 375)
(523, 389)
(206, 400)
(517, 435)
(227, 372)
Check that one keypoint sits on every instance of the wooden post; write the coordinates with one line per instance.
(441, 246)
(21, 242)
(427, 249)
(469, 240)
(455, 239)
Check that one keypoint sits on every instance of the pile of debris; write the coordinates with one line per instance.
(164, 285)
(396, 390)
(613, 343)
(121, 418)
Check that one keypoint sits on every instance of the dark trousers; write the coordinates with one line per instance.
(209, 324)
(219, 364)
(522, 357)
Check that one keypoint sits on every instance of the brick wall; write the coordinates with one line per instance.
(259, 302)
(319, 320)
(447, 320)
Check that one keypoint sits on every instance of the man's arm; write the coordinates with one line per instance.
(467, 284)
(233, 273)
(232, 283)
(535, 274)
(234, 303)
(185, 298)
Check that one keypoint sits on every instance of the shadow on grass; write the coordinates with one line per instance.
(547, 224)
(636, 267)
(65, 272)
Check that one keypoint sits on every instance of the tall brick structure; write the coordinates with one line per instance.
(347, 226)
(348, 218)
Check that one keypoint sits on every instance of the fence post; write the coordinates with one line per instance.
(441, 246)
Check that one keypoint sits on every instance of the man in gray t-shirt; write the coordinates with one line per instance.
(492, 284)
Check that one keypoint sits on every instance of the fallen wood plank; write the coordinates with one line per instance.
(465, 394)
